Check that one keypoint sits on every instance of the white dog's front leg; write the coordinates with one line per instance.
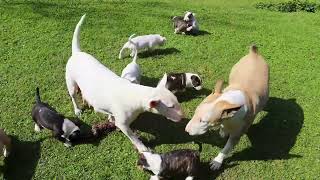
(217, 161)
(134, 139)
(155, 177)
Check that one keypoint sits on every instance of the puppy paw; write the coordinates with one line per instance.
(77, 112)
(6, 152)
(222, 133)
(67, 144)
(36, 128)
(215, 165)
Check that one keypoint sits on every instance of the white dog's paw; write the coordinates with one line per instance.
(215, 165)
(36, 128)
(5, 152)
(155, 177)
(189, 28)
(77, 112)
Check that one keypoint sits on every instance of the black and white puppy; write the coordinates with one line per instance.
(179, 25)
(178, 82)
(183, 163)
(47, 117)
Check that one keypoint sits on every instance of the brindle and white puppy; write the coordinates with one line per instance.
(178, 163)
(178, 82)
(235, 108)
(179, 25)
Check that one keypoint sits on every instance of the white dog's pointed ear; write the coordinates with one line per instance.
(163, 81)
(154, 103)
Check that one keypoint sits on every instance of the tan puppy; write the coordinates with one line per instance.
(234, 108)
(5, 143)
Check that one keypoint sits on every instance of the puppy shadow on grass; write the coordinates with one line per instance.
(158, 52)
(191, 94)
(276, 133)
(202, 33)
(22, 160)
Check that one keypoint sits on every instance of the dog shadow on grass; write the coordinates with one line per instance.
(158, 52)
(186, 96)
(271, 138)
(23, 159)
(202, 33)
(275, 134)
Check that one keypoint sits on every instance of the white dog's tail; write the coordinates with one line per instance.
(130, 39)
(76, 36)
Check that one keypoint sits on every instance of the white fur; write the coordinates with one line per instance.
(36, 128)
(140, 42)
(189, 81)
(154, 161)
(220, 157)
(132, 71)
(193, 20)
(110, 94)
(5, 152)
(189, 178)
(68, 127)
(154, 177)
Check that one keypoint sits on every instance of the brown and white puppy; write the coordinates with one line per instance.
(178, 163)
(5, 143)
(235, 108)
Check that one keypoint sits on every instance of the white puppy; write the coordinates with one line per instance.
(132, 71)
(110, 94)
(189, 17)
(140, 42)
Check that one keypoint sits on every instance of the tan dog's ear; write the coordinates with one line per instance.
(229, 110)
(218, 87)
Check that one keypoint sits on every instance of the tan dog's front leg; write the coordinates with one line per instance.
(133, 138)
(217, 161)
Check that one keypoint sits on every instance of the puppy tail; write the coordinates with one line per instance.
(253, 49)
(131, 37)
(76, 36)
(38, 100)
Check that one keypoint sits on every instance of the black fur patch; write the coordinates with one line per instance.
(195, 81)
(176, 81)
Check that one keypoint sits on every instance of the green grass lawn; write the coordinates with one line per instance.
(35, 44)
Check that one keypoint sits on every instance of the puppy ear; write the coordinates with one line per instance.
(229, 110)
(154, 103)
(218, 87)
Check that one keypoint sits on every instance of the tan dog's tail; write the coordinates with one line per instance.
(253, 49)
(218, 87)
(76, 36)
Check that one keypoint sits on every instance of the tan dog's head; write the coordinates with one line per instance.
(164, 102)
(211, 112)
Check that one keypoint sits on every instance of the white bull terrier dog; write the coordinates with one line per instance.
(110, 94)
(141, 42)
(235, 108)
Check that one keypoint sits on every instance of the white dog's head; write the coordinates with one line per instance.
(164, 102)
(211, 112)
(189, 16)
